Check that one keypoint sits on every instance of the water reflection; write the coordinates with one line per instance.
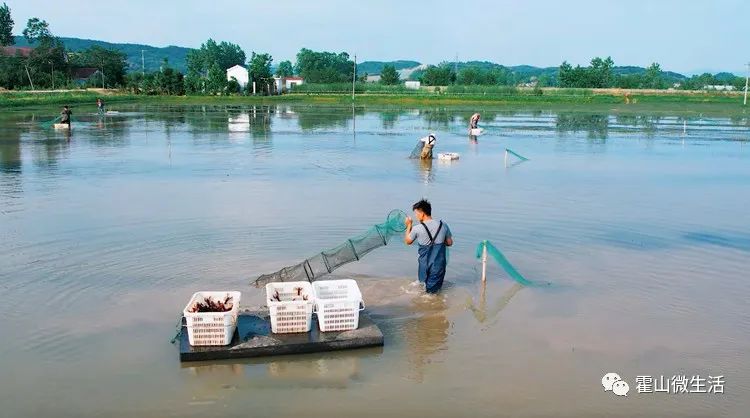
(312, 117)
(596, 126)
(10, 151)
(427, 334)
(424, 170)
(481, 313)
(440, 117)
(47, 152)
(389, 117)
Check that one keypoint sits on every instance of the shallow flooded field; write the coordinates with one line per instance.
(638, 222)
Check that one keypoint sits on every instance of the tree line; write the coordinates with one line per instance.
(600, 73)
(50, 65)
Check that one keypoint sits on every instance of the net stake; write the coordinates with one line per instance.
(484, 262)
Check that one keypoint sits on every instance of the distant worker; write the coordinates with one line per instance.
(474, 121)
(433, 238)
(100, 105)
(429, 143)
(65, 115)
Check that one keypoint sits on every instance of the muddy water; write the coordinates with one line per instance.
(639, 223)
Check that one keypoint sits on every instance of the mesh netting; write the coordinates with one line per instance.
(417, 151)
(351, 250)
(504, 263)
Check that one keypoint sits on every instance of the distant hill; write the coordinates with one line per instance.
(153, 55)
(375, 67)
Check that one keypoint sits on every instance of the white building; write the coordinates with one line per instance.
(284, 84)
(240, 74)
(719, 87)
(290, 82)
(412, 85)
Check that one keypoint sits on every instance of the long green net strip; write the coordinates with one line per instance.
(504, 263)
(521, 157)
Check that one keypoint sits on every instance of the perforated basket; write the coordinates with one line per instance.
(337, 303)
(292, 312)
(211, 328)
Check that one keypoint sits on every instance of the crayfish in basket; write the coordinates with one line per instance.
(209, 305)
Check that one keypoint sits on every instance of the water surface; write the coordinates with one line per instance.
(639, 222)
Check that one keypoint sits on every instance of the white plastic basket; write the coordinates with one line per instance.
(211, 328)
(293, 311)
(337, 303)
(476, 131)
(448, 156)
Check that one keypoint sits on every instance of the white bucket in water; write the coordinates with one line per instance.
(448, 156)
(476, 131)
(61, 126)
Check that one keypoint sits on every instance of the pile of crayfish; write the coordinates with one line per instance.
(209, 305)
(277, 297)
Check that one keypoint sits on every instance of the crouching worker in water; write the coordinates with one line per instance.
(433, 237)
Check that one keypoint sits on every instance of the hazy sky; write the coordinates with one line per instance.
(686, 35)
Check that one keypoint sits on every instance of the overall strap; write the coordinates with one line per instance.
(432, 239)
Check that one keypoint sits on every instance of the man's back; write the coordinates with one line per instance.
(419, 233)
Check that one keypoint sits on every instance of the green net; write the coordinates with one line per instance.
(48, 124)
(520, 157)
(504, 263)
(417, 151)
(329, 260)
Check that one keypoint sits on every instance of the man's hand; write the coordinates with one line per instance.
(407, 240)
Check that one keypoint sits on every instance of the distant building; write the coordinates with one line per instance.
(240, 74)
(412, 84)
(719, 87)
(290, 82)
(82, 75)
(284, 84)
(13, 51)
(372, 78)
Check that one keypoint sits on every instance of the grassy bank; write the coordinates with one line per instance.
(464, 96)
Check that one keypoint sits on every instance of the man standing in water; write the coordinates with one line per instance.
(474, 121)
(65, 115)
(433, 238)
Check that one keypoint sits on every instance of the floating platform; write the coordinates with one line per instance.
(253, 338)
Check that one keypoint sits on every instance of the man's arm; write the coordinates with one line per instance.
(448, 237)
(407, 235)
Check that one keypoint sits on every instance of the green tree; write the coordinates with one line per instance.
(224, 55)
(12, 73)
(36, 31)
(260, 69)
(168, 80)
(324, 67)
(653, 78)
(6, 26)
(600, 73)
(216, 80)
(442, 75)
(211, 55)
(389, 76)
(110, 63)
(285, 69)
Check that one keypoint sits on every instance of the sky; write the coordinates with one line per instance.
(688, 36)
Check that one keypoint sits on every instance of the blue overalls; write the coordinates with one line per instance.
(432, 262)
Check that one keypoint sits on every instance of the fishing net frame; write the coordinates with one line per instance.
(353, 249)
